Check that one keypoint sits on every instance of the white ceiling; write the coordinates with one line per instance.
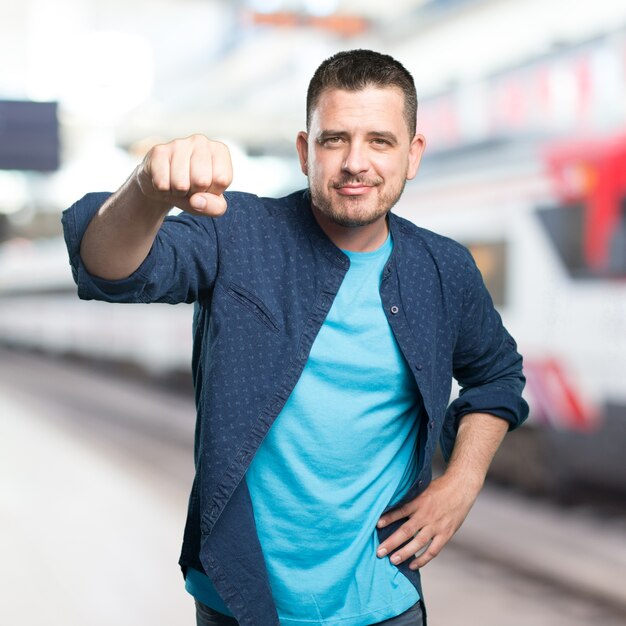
(135, 73)
(166, 67)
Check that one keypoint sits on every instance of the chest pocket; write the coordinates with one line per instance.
(253, 304)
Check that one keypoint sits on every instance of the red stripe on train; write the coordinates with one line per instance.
(554, 397)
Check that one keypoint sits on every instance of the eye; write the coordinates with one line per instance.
(332, 141)
(379, 141)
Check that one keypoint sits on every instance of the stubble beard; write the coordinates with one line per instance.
(342, 211)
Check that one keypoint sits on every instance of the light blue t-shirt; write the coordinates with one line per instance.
(342, 449)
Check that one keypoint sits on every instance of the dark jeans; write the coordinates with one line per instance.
(208, 617)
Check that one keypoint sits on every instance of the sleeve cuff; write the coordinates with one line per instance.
(75, 220)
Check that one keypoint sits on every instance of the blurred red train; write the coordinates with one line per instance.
(546, 223)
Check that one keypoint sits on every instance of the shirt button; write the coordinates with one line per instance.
(431, 425)
(418, 366)
(394, 309)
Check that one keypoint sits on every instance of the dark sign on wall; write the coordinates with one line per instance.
(29, 136)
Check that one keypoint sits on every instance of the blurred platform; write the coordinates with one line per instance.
(86, 536)
(93, 502)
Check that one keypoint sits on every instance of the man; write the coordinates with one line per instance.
(326, 334)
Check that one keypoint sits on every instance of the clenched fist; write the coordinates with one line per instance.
(191, 174)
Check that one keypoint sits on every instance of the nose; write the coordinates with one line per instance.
(356, 161)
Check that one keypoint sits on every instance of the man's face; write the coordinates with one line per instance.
(358, 154)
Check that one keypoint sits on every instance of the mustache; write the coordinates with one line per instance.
(356, 180)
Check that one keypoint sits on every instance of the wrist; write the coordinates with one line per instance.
(472, 479)
(140, 191)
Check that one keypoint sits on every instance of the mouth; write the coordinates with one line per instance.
(353, 189)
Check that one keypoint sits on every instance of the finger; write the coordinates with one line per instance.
(157, 168)
(208, 204)
(222, 168)
(405, 533)
(200, 166)
(420, 542)
(179, 168)
(431, 551)
(395, 514)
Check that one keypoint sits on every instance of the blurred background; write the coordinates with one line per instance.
(523, 105)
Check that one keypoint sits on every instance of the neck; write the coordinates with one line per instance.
(354, 238)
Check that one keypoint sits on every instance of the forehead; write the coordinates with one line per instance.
(379, 107)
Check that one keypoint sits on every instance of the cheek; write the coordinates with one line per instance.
(393, 170)
(320, 169)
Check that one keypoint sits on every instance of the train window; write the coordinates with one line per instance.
(564, 225)
(588, 245)
(491, 258)
(617, 244)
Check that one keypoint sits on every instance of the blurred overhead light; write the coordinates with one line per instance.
(342, 25)
(265, 6)
(97, 163)
(321, 8)
(14, 194)
(110, 76)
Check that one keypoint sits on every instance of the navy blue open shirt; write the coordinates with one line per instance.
(263, 277)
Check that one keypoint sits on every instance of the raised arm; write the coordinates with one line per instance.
(191, 174)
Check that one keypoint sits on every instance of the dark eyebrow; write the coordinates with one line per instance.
(325, 134)
(383, 134)
(374, 134)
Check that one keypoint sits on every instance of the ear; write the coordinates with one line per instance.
(302, 146)
(416, 150)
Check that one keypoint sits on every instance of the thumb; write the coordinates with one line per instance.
(208, 204)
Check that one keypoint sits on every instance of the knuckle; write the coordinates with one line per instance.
(160, 185)
(218, 145)
(221, 179)
(404, 510)
(180, 185)
(406, 532)
(220, 148)
(159, 151)
(203, 181)
(431, 553)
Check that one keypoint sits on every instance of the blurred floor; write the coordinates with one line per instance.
(92, 511)
(462, 590)
(86, 537)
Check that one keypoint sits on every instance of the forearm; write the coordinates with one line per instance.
(479, 437)
(190, 173)
(437, 513)
(121, 234)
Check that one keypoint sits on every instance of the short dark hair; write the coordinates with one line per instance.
(354, 70)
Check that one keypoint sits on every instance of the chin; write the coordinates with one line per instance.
(347, 212)
(354, 221)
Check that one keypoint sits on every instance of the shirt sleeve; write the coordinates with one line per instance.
(181, 265)
(485, 361)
